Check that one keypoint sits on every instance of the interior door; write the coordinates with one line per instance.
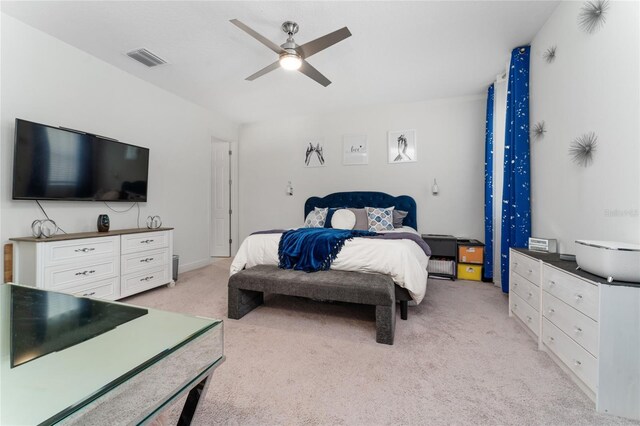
(220, 200)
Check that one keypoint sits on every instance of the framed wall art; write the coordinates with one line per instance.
(401, 146)
(355, 150)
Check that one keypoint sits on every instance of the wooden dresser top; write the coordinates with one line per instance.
(80, 235)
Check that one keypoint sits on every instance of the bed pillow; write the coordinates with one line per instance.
(398, 217)
(380, 218)
(316, 218)
(362, 223)
(343, 219)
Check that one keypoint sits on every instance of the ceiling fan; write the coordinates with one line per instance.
(292, 56)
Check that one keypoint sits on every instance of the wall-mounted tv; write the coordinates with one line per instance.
(52, 163)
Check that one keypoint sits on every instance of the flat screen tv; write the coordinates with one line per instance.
(52, 163)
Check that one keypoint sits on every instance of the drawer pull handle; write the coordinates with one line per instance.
(530, 295)
(529, 318)
(551, 339)
(84, 250)
(530, 271)
(551, 311)
(146, 241)
(89, 294)
(146, 260)
(85, 273)
(577, 363)
(146, 278)
(515, 305)
(578, 330)
(578, 297)
(515, 264)
(515, 285)
(551, 283)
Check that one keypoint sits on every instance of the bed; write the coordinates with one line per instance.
(403, 260)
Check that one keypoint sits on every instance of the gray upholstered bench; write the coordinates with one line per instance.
(247, 287)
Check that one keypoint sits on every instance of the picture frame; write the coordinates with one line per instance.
(402, 146)
(314, 153)
(355, 150)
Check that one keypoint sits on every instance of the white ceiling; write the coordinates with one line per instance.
(399, 51)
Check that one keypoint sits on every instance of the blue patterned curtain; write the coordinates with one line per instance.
(488, 189)
(516, 202)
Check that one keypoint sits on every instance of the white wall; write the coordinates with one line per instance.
(450, 136)
(593, 85)
(48, 81)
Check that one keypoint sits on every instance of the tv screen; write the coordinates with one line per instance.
(51, 163)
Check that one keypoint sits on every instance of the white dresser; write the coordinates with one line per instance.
(591, 328)
(107, 265)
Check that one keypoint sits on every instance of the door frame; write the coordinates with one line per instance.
(232, 202)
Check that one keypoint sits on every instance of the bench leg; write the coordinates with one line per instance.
(241, 302)
(385, 323)
(404, 307)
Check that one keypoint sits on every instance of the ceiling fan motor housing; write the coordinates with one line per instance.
(290, 28)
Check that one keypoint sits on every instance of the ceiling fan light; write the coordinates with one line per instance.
(290, 62)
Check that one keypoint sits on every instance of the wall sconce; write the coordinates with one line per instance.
(434, 188)
(289, 189)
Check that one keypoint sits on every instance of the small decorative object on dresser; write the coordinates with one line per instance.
(548, 245)
(103, 223)
(104, 265)
(587, 325)
(154, 222)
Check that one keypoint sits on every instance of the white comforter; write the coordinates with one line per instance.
(403, 260)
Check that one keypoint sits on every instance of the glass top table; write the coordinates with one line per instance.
(72, 359)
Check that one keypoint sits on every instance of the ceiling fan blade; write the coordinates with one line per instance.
(262, 39)
(313, 73)
(321, 43)
(263, 71)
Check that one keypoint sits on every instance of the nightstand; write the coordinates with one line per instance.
(444, 255)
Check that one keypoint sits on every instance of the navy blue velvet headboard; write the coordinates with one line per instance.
(362, 199)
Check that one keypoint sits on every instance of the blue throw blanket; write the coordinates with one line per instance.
(313, 249)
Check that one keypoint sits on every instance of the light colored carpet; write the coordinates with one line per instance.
(458, 360)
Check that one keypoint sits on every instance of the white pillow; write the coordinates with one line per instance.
(316, 218)
(343, 219)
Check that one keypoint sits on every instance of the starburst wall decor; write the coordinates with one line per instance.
(582, 149)
(538, 131)
(592, 15)
(549, 55)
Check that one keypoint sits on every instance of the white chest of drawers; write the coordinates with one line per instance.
(109, 265)
(591, 328)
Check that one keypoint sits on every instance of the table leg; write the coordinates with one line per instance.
(196, 395)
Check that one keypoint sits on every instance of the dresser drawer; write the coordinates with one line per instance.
(144, 260)
(60, 252)
(528, 291)
(576, 325)
(66, 276)
(132, 243)
(574, 356)
(525, 312)
(525, 267)
(144, 280)
(573, 291)
(104, 289)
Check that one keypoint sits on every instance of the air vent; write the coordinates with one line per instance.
(145, 57)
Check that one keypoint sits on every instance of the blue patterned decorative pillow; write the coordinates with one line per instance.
(316, 218)
(380, 219)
